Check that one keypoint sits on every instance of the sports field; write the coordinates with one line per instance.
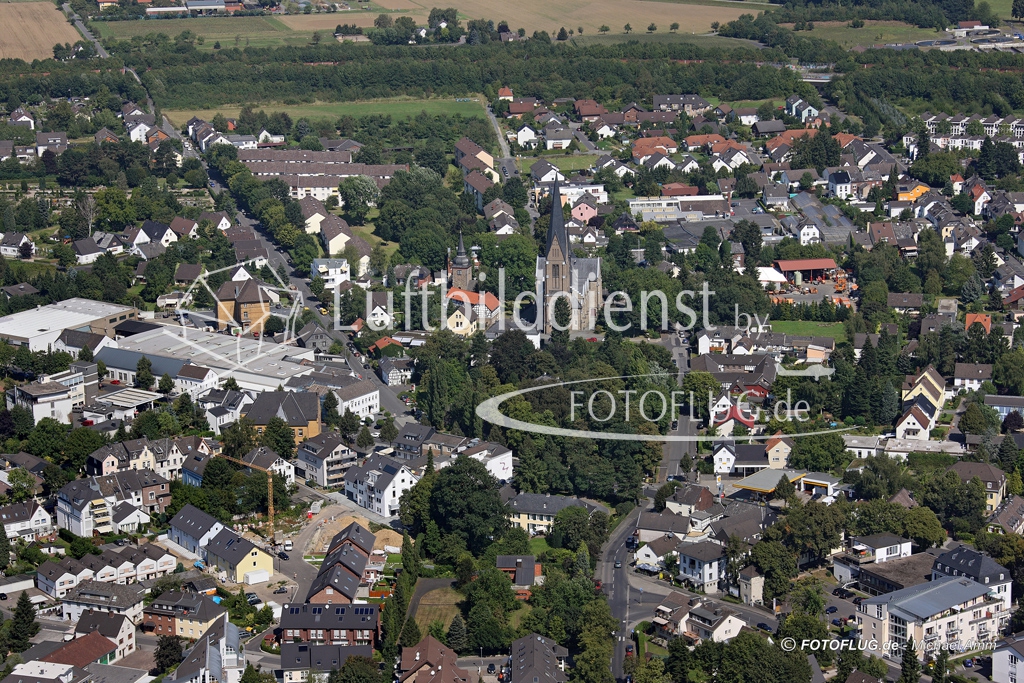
(873, 33)
(397, 108)
(30, 30)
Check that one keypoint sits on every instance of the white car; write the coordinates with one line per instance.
(375, 435)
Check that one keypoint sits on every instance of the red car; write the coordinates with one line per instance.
(115, 381)
(592, 339)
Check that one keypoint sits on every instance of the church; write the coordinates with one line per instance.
(560, 273)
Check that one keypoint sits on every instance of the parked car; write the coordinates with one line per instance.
(283, 555)
(282, 589)
(764, 627)
(831, 609)
(837, 622)
(629, 650)
(490, 668)
(857, 600)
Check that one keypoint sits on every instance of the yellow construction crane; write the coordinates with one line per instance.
(270, 490)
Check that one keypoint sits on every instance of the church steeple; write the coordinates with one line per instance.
(461, 259)
(556, 231)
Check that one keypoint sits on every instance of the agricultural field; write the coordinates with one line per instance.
(397, 108)
(809, 328)
(229, 31)
(30, 30)
(695, 16)
(873, 33)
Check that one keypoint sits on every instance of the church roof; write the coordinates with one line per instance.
(556, 231)
(461, 260)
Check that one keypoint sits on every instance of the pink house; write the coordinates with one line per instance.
(585, 209)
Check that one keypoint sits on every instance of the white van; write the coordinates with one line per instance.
(287, 545)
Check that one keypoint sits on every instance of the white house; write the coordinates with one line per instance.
(27, 521)
(970, 376)
(809, 234)
(840, 185)
(103, 597)
(137, 130)
(324, 459)
(362, 398)
(195, 380)
(913, 424)
(333, 271)
(526, 137)
(702, 565)
(43, 399)
(269, 460)
(192, 529)
(1008, 660)
(378, 484)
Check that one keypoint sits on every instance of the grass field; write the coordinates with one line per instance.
(250, 31)
(440, 604)
(564, 162)
(873, 33)
(809, 328)
(30, 30)
(397, 107)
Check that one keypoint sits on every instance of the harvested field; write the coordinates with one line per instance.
(31, 29)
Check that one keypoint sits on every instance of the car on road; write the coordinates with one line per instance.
(831, 609)
(837, 622)
(629, 650)
(3, 596)
(764, 627)
(491, 668)
(283, 555)
(842, 593)
(282, 589)
(618, 564)
(857, 600)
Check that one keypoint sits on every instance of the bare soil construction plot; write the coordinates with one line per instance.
(30, 30)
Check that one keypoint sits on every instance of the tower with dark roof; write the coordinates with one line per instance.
(560, 274)
(462, 268)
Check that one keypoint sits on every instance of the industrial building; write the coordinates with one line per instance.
(40, 327)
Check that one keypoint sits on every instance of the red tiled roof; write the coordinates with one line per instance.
(82, 651)
(474, 298)
(791, 265)
(983, 318)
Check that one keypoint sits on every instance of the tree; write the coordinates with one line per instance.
(22, 483)
(562, 34)
(279, 437)
(144, 373)
(357, 194)
(605, 28)
(627, 28)
(674, 26)
(910, 666)
(663, 493)
(23, 625)
(1014, 422)
(166, 385)
(388, 430)
(316, 288)
(784, 490)
(699, 388)
(457, 634)
(240, 438)
(364, 441)
(652, 27)
(5, 548)
(940, 670)
(168, 652)
(465, 502)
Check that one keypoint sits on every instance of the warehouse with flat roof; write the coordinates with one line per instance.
(38, 328)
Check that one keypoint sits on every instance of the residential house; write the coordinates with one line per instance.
(92, 648)
(947, 611)
(268, 459)
(536, 659)
(115, 598)
(969, 376)
(378, 484)
(186, 615)
(702, 565)
(193, 529)
(523, 570)
(306, 663)
(300, 410)
(236, 556)
(993, 479)
(330, 624)
(323, 459)
(27, 521)
(865, 550)
(117, 628)
(535, 512)
(965, 561)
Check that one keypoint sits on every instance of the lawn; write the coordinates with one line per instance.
(538, 545)
(229, 31)
(873, 33)
(440, 604)
(399, 107)
(809, 328)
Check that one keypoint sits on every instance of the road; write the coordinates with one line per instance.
(86, 33)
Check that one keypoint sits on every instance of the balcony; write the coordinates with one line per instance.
(854, 557)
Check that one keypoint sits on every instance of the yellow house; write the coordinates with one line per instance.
(535, 512)
(929, 384)
(462, 325)
(911, 192)
(300, 410)
(230, 553)
(778, 449)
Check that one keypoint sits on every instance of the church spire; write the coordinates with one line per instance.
(556, 231)
(461, 259)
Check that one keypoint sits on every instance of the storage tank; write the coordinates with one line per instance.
(799, 278)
